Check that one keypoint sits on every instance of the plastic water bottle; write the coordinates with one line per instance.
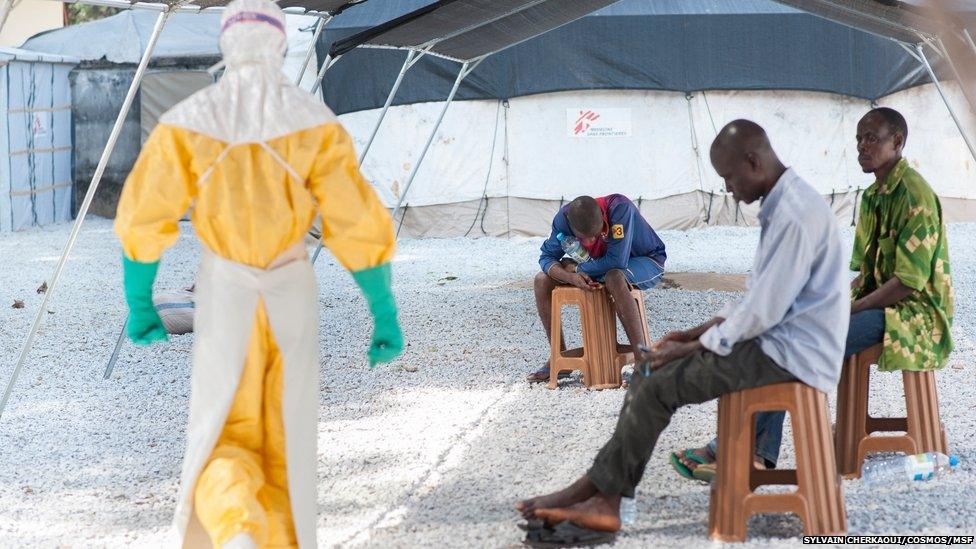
(628, 509)
(572, 248)
(908, 468)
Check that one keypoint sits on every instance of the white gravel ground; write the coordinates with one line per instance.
(434, 458)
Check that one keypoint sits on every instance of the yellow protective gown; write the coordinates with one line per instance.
(255, 157)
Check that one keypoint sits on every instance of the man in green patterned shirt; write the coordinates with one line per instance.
(903, 294)
(901, 251)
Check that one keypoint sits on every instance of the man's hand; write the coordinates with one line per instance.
(569, 264)
(889, 294)
(689, 335)
(666, 351)
(584, 282)
(677, 336)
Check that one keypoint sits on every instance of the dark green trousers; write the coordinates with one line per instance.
(653, 399)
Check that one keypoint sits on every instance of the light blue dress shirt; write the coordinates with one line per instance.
(797, 300)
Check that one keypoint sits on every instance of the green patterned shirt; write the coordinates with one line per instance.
(900, 233)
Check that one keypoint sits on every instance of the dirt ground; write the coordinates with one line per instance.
(704, 281)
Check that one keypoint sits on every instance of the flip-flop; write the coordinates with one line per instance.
(531, 524)
(705, 472)
(567, 534)
(683, 469)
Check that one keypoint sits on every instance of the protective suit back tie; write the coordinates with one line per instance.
(271, 152)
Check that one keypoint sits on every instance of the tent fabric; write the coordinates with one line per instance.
(648, 145)
(673, 45)
(300, 6)
(897, 21)
(122, 38)
(187, 46)
(35, 139)
(18, 54)
(162, 90)
(464, 30)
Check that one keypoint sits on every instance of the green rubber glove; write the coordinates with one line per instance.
(144, 326)
(387, 342)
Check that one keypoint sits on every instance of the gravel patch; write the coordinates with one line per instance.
(434, 458)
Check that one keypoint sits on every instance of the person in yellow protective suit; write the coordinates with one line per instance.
(253, 155)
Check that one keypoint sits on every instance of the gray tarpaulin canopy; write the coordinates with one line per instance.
(464, 30)
(674, 45)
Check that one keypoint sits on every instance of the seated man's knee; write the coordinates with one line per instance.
(543, 282)
(615, 278)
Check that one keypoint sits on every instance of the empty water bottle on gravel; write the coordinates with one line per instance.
(572, 248)
(628, 509)
(902, 469)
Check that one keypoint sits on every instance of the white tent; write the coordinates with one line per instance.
(505, 167)
(35, 139)
(633, 108)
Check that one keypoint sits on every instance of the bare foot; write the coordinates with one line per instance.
(600, 512)
(578, 491)
(539, 376)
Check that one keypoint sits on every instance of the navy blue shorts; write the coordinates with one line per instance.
(642, 272)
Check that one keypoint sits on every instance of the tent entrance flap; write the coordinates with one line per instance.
(83, 210)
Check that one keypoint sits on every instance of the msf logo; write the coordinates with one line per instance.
(584, 121)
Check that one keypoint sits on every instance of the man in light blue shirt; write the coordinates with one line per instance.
(790, 325)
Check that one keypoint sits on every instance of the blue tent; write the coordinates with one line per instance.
(675, 45)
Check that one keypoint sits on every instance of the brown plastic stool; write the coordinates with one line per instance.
(819, 498)
(923, 430)
(601, 357)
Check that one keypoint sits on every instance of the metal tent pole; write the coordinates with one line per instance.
(329, 61)
(945, 99)
(5, 7)
(89, 195)
(407, 64)
(115, 352)
(323, 21)
(969, 39)
(969, 94)
(412, 58)
(466, 69)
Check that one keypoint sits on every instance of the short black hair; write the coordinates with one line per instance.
(894, 119)
(585, 216)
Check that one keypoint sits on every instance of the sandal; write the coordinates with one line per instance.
(531, 524)
(705, 472)
(567, 534)
(683, 469)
